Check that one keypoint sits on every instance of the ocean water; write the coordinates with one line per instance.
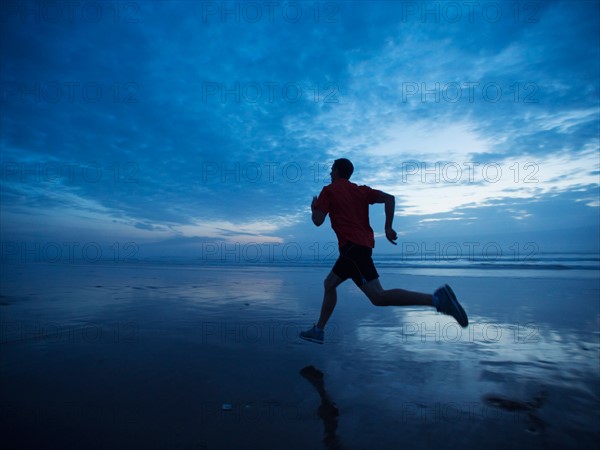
(452, 261)
(580, 265)
(145, 355)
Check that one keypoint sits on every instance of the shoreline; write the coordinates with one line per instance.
(458, 268)
(145, 357)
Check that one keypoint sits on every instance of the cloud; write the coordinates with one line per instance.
(265, 230)
(377, 86)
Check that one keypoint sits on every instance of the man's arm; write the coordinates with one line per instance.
(390, 205)
(318, 216)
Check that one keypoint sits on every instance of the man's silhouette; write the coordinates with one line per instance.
(348, 207)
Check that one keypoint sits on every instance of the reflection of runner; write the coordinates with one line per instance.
(348, 207)
(327, 411)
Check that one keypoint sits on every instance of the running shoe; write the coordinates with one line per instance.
(313, 335)
(448, 304)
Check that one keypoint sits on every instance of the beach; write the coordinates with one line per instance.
(201, 357)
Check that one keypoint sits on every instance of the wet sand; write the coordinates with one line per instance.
(145, 357)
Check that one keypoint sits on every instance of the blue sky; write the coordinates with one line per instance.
(177, 124)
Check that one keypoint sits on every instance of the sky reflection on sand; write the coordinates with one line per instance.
(186, 341)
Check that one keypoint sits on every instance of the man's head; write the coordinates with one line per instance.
(342, 168)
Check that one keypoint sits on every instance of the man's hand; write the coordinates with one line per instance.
(391, 235)
(390, 206)
(318, 217)
(314, 200)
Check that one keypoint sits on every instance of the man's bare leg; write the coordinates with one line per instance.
(444, 300)
(329, 298)
(394, 297)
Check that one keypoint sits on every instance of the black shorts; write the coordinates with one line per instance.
(355, 262)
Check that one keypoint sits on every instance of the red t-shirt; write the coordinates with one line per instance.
(348, 207)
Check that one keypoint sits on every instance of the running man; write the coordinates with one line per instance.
(348, 207)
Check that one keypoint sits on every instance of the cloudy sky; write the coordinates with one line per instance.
(173, 124)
